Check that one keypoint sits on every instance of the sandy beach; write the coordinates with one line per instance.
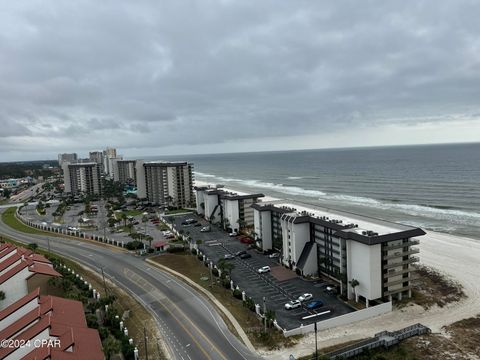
(454, 256)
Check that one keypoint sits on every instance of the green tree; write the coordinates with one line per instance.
(354, 283)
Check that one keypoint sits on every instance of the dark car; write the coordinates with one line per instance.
(314, 304)
(245, 256)
(197, 224)
(239, 253)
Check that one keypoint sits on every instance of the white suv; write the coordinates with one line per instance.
(264, 269)
(305, 297)
(292, 304)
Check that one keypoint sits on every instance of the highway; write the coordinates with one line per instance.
(190, 325)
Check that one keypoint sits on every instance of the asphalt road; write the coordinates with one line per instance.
(190, 325)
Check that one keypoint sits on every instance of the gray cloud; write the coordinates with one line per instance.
(82, 75)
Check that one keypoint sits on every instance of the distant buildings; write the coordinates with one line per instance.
(96, 156)
(346, 247)
(232, 210)
(82, 178)
(62, 158)
(165, 183)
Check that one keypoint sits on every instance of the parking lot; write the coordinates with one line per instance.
(216, 243)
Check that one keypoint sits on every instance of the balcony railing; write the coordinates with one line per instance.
(403, 244)
(396, 291)
(397, 264)
(412, 251)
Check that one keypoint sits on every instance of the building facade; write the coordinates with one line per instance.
(96, 156)
(164, 183)
(71, 158)
(233, 210)
(125, 171)
(345, 247)
(82, 178)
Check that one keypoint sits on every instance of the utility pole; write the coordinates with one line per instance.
(316, 347)
(48, 244)
(265, 313)
(145, 339)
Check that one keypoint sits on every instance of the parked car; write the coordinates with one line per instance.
(205, 229)
(228, 256)
(267, 252)
(189, 222)
(197, 224)
(245, 256)
(263, 269)
(233, 233)
(274, 255)
(238, 253)
(305, 297)
(315, 304)
(293, 304)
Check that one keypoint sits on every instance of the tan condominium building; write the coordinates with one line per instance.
(82, 178)
(165, 183)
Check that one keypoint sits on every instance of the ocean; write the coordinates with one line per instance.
(435, 187)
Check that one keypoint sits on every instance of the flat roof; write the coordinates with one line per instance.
(367, 230)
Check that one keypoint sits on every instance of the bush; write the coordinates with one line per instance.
(194, 252)
(215, 272)
(134, 245)
(175, 249)
(249, 303)
(200, 257)
(226, 283)
(237, 294)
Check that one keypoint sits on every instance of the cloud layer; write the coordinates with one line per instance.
(185, 76)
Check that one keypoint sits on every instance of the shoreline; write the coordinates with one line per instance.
(452, 255)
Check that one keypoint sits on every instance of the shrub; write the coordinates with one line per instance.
(134, 245)
(175, 249)
(200, 257)
(194, 252)
(215, 272)
(226, 283)
(249, 303)
(237, 294)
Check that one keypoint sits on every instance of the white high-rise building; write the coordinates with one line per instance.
(82, 178)
(165, 183)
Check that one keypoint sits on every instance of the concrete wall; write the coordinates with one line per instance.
(365, 265)
(262, 222)
(200, 199)
(231, 213)
(343, 319)
(15, 287)
(211, 200)
(311, 266)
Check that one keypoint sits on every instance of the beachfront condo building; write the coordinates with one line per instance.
(233, 210)
(125, 171)
(164, 183)
(348, 248)
(82, 178)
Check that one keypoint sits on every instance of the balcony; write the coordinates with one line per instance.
(396, 291)
(402, 280)
(399, 246)
(400, 272)
(401, 253)
(411, 260)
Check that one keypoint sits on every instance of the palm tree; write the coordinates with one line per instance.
(354, 283)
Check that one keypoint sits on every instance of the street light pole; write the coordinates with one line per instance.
(104, 283)
(145, 339)
(316, 347)
(48, 243)
(265, 313)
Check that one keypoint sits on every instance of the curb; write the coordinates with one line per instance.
(212, 298)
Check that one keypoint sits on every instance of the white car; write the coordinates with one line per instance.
(274, 255)
(292, 304)
(305, 297)
(233, 233)
(263, 269)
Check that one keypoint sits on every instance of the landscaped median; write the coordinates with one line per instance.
(240, 319)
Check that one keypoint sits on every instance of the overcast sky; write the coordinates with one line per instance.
(180, 77)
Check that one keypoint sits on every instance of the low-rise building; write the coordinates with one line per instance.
(346, 247)
(50, 327)
(231, 209)
(21, 270)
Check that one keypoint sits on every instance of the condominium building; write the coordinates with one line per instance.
(124, 171)
(165, 183)
(82, 178)
(343, 246)
(96, 156)
(231, 209)
(62, 158)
